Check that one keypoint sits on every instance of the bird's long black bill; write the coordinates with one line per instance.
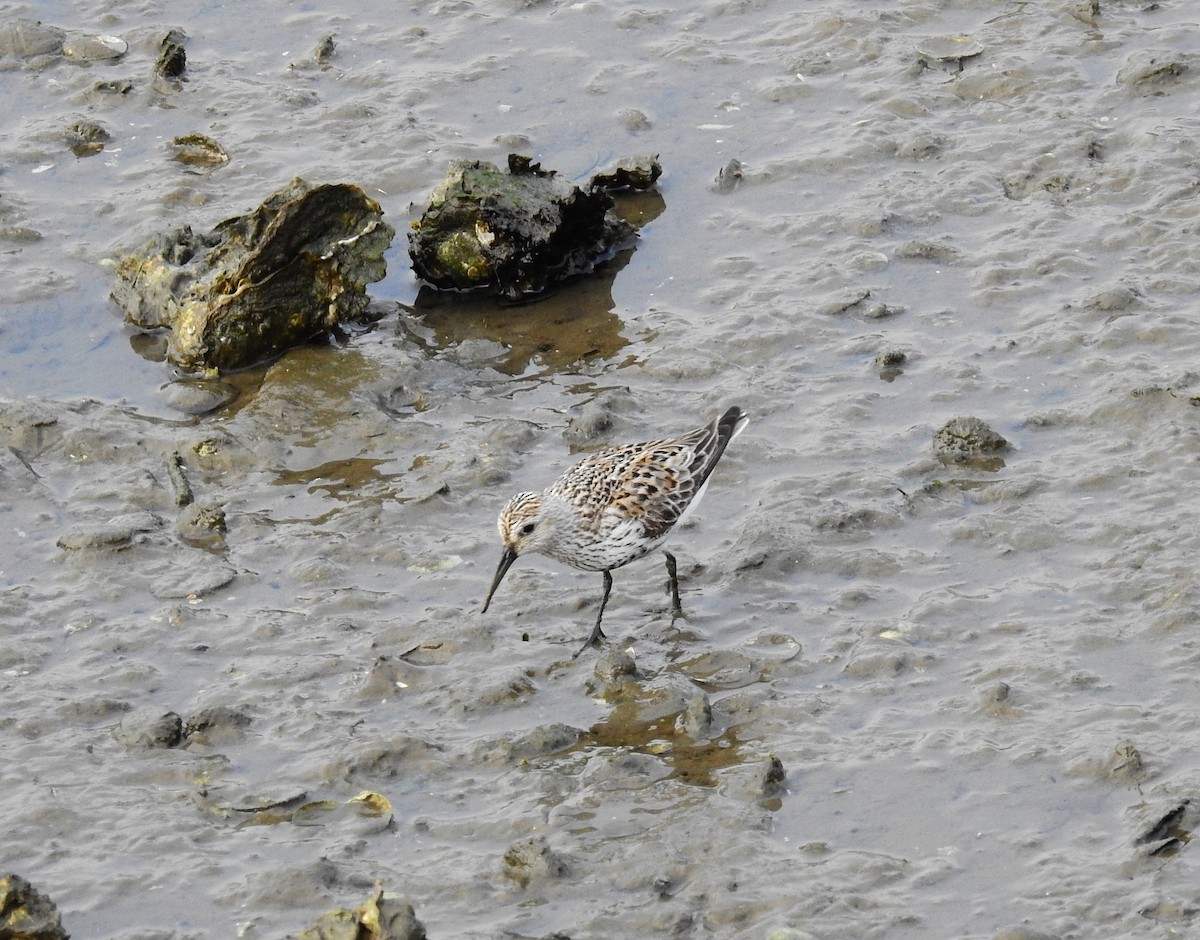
(506, 562)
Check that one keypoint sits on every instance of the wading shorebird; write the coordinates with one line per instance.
(616, 506)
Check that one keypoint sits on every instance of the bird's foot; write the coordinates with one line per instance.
(595, 638)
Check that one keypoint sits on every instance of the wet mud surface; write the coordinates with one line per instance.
(914, 695)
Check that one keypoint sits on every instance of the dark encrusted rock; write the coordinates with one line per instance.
(515, 232)
(26, 913)
(292, 269)
(172, 57)
(639, 172)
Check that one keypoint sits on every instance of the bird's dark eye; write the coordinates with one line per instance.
(528, 527)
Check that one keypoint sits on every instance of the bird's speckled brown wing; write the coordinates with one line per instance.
(650, 484)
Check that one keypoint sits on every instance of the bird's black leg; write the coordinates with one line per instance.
(597, 634)
(673, 585)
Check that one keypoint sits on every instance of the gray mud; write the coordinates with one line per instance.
(979, 679)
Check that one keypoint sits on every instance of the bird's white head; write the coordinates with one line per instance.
(525, 526)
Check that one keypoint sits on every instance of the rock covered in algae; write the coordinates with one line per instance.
(26, 913)
(292, 269)
(517, 231)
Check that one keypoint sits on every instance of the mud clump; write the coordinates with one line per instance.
(291, 270)
(517, 231)
(532, 859)
(87, 138)
(969, 441)
(150, 728)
